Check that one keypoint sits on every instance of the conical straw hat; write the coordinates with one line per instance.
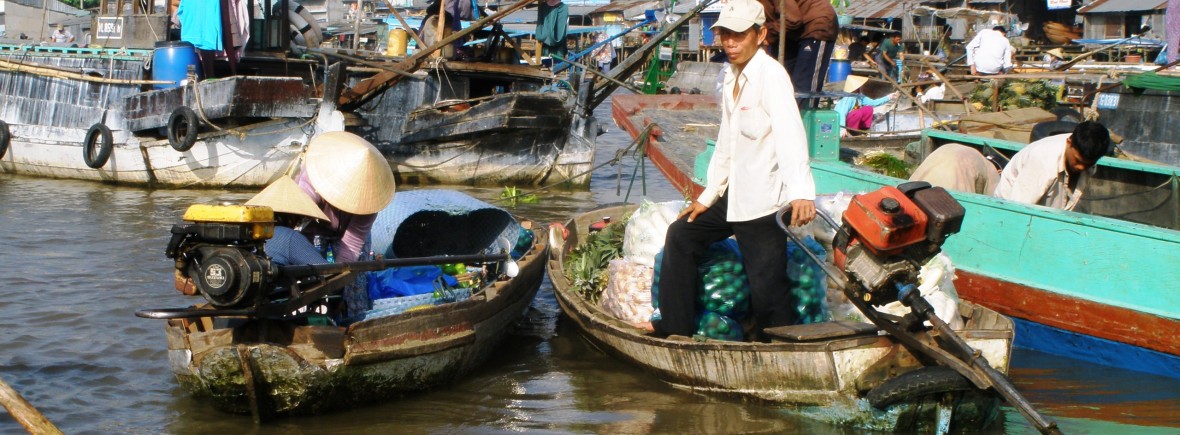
(349, 173)
(1056, 52)
(284, 196)
(852, 83)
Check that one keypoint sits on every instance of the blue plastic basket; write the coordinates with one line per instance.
(394, 306)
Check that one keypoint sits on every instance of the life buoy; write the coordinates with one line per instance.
(182, 129)
(305, 30)
(5, 138)
(96, 153)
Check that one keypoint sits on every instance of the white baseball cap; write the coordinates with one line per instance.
(739, 15)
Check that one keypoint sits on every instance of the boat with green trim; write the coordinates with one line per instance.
(840, 372)
(1092, 284)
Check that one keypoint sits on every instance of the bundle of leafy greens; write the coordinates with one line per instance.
(586, 264)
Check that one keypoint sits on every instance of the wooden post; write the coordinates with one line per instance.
(24, 412)
(413, 34)
(442, 19)
(356, 36)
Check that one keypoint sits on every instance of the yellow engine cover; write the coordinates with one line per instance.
(259, 219)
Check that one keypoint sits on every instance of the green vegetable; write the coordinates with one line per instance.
(586, 264)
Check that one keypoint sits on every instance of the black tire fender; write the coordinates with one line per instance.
(182, 129)
(1051, 128)
(97, 147)
(918, 383)
(5, 138)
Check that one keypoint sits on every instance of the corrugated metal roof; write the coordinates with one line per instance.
(1107, 6)
(880, 8)
(620, 6)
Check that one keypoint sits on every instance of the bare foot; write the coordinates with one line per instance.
(645, 326)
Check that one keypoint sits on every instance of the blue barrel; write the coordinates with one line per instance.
(170, 62)
(838, 70)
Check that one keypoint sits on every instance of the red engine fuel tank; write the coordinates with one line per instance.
(885, 220)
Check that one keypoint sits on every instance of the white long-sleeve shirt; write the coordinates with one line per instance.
(990, 52)
(760, 160)
(1037, 175)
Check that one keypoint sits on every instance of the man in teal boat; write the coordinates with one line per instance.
(1053, 171)
(758, 166)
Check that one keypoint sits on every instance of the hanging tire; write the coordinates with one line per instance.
(1051, 128)
(5, 138)
(97, 147)
(182, 129)
(918, 383)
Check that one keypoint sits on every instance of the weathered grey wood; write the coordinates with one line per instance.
(24, 413)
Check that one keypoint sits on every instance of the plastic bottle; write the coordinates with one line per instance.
(330, 255)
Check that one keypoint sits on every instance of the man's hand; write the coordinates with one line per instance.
(973, 71)
(692, 211)
(802, 212)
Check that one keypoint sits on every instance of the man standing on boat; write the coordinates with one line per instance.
(810, 39)
(1053, 171)
(758, 166)
(990, 52)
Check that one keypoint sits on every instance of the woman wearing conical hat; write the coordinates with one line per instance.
(293, 211)
(856, 111)
(350, 181)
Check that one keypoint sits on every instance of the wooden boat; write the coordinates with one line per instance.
(277, 367)
(482, 123)
(823, 371)
(1094, 284)
(84, 114)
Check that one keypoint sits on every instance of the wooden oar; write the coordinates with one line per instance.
(24, 412)
(947, 83)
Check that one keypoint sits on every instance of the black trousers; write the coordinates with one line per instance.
(764, 256)
(807, 63)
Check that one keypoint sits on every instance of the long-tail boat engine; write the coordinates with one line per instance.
(888, 234)
(221, 248)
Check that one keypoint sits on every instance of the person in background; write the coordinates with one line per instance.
(1053, 171)
(857, 50)
(552, 27)
(758, 166)
(856, 111)
(960, 168)
(888, 55)
(61, 35)
(990, 52)
(605, 54)
(1054, 58)
(293, 211)
(811, 32)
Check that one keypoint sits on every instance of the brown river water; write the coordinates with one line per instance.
(78, 258)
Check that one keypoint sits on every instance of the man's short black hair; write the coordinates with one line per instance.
(1091, 139)
(863, 39)
(1000, 29)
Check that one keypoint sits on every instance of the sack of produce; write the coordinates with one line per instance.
(808, 282)
(719, 327)
(723, 286)
(627, 296)
(644, 236)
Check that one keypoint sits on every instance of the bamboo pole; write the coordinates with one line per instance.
(369, 87)
(7, 65)
(24, 412)
(947, 83)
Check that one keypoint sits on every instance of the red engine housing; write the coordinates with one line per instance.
(885, 221)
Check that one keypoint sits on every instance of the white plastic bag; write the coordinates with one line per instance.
(627, 296)
(936, 284)
(644, 236)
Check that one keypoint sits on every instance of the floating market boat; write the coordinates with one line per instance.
(837, 372)
(132, 115)
(1092, 284)
(269, 361)
(482, 123)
